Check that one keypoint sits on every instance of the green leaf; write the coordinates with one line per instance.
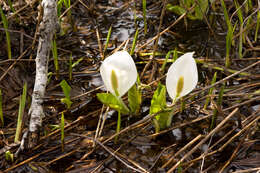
(9, 156)
(176, 9)
(20, 114)
(134, 99)
(8, 39)
(158, 103)
(66, 101)
(113, 102)
(65, 88)
(201, 9)
(164, 119)
(159, 99)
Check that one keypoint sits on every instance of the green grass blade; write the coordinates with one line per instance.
(55, 57)
(11, 5)
(240, 17)
(134, 99)
(59, 6)
(134, 42)
(175, 55)
(1, 110)
(8, 39)
(165, 61)
(108, 38)
(20, 114)
(226, 14)
(144, 16)
(229, 35)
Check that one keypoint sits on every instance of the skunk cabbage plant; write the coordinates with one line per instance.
(118, 73)
(182, 76)
(181, 79)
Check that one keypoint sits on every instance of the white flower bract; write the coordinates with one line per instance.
(124, 73)
(184, 67)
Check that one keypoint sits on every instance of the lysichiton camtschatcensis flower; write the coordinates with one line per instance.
(118, 73)
(182, 76)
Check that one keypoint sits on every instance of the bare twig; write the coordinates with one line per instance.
(111, 152)
(203, 140)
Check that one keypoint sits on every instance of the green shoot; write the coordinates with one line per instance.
(158, 103)
(11, 5)
(67, 5)
(8, 39)
(62, 131)
(118, 127)
(55, 57)
(1, 110)
(210, 90)
(49, 77)
(77, 62)
(144, 16)
(66, 90)
(156, 125)
(135, 16)
(9, 157)
(240, 17)
(108, 38)
(175, 55)
(215, 111)
(228, 47)
(226, 14)
(134, 99)
(59, 6)
(13, 10)
(179, 169)
(229, 35)
(257, 25)
(248, 6)
(20, 114)
(165, 61)
(134, 42)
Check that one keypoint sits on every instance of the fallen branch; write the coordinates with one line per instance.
(47, 29)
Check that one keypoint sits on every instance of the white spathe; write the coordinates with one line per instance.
(185, 66)
(124, 69)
